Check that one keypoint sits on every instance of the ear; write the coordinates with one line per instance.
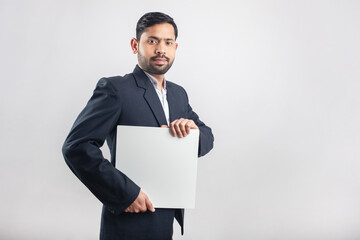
(176, 46)
(134, 45)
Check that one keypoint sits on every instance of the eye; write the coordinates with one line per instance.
(152, 41)
(169, 43)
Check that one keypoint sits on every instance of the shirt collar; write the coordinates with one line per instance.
(154, 81)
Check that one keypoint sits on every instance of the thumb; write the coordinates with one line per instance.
(149, 205)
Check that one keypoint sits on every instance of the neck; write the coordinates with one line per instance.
(159, 78)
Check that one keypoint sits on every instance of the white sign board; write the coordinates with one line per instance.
(163, 166)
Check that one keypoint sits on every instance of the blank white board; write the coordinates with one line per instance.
(163, 166)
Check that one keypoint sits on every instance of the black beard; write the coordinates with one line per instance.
(148, 67)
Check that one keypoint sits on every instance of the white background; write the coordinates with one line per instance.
(278, 82)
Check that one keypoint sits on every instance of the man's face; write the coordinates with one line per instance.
(156, 48)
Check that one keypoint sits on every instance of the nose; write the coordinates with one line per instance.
(160, 50)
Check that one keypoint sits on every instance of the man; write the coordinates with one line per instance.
(141, 98)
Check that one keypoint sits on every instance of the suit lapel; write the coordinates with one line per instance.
(171, 102)
(155, 105)
(150, 95)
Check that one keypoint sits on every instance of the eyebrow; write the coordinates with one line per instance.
(160, 38)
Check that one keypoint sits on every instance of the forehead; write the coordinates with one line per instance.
(162, 30)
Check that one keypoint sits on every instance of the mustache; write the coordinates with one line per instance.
(160, 56)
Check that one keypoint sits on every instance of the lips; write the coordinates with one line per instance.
(160, 60)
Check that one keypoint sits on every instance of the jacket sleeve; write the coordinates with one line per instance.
(206, 141)
(82, 152)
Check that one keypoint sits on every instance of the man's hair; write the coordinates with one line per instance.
(152, 18)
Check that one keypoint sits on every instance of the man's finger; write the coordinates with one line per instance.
(143, 208)
(172, 128)
(177, 130)
(188, 127)
(149, 205)
(192, 125)
(182, 127)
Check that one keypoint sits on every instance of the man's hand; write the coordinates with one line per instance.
(141, 204)
(181, 127)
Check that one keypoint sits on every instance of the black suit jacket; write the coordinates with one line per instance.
(127, 100)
